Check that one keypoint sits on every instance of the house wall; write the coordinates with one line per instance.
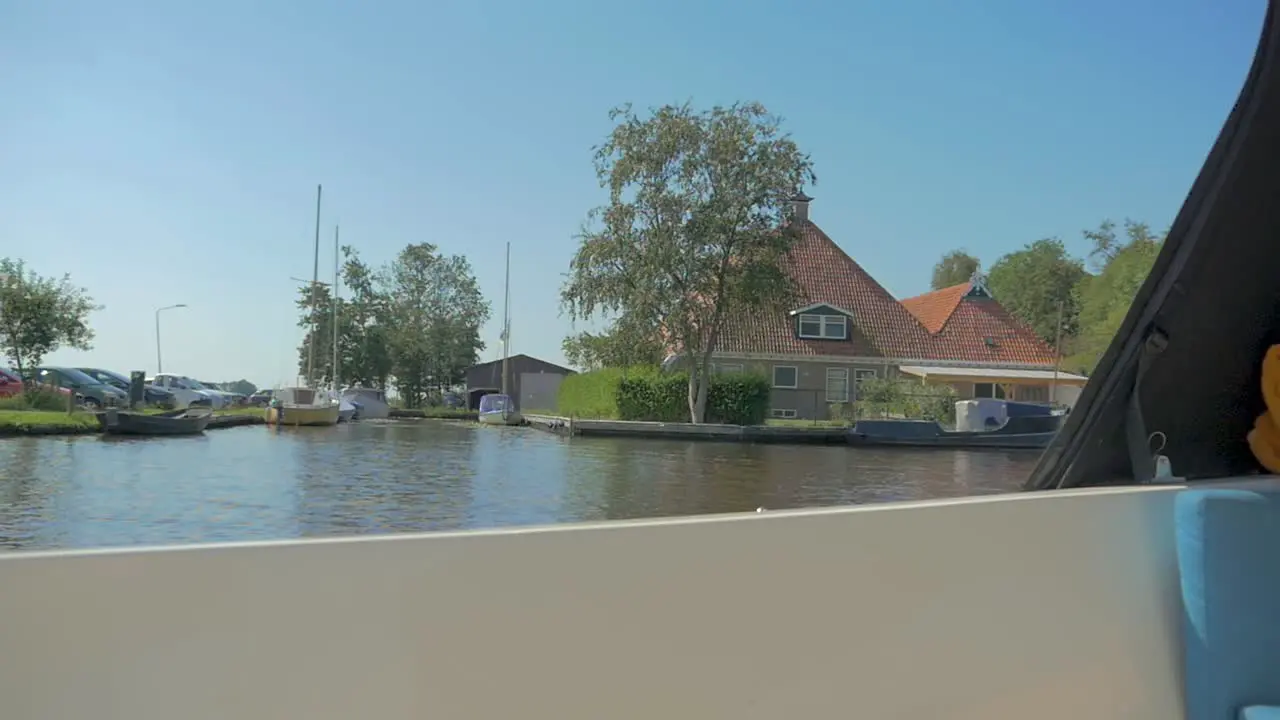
(809, 398)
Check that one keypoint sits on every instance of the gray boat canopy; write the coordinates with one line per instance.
(1184, 371)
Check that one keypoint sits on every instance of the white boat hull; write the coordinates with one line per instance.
(501, 418)
(371, 407)
(1051, 606)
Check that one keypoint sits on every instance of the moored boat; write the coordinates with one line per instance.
(301, 406)
(191, 421)
(371, 401)
(1030, 432)
(499, 409)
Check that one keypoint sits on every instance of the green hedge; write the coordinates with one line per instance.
(881, 398)
(649, 394)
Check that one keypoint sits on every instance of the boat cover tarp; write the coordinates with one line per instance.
(1194, 338)
(496, 403)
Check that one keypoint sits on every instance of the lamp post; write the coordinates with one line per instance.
(159, 364)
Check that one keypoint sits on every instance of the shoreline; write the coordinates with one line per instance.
(764, 434)
(43, 423)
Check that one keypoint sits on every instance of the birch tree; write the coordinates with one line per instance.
(695, 228)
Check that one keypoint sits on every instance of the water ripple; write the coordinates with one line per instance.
(373, 478)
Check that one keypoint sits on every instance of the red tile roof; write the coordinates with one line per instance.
(881, 326)
(941, 325)
(976, 329)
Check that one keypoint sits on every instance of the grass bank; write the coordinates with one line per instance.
(46, 422)
(18, 421)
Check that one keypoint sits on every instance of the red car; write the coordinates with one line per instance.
(10, 383)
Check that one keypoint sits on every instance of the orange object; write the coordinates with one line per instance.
(1264, 438)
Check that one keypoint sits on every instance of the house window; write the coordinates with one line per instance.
(860, 375)
(824, 327)
(780, 413)
(728, 368)
(837, 385)
(988, 390)
(785, 376)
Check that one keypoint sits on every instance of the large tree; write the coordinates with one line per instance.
(694, 230)
(39, 315)
(626, 341)
(955, 267)
(1122, 263)
(1037, 284)
(435, 309)
(364, 347)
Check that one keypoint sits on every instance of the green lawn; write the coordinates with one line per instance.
(34, 422)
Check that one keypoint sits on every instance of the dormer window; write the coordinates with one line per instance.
(824, 327)
(821, 322)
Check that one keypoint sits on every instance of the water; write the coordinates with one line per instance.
(256, 483)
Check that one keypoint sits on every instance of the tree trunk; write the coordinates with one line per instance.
(698, 382)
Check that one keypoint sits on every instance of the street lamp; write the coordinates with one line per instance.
(159, 365)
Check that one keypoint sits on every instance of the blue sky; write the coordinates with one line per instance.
(168, 152)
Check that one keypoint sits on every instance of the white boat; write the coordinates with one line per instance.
(498, 409)
(1148, 601)
(346, 409)
(300, 406)
(372, 402)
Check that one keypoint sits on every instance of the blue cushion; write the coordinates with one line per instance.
(1260, 712)
(1229, 560)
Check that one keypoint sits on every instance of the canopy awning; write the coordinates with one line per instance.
(1005, 376)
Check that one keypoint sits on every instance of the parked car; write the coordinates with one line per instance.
(152, 395)
(261, 398)
(235, 398)
(94, 393)
(187, 390)
(11, 384)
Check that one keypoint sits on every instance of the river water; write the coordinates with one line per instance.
(257, 483)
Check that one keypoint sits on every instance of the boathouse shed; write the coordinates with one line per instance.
(533, 383)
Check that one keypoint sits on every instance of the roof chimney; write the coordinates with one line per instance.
(800, 207)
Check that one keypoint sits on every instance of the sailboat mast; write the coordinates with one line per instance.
(506, 321)
(315, 283)
(335, 309)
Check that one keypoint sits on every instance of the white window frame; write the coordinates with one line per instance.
(795, 381)
(860, 375)
(845, 379)
(825, 325)
(783, 413)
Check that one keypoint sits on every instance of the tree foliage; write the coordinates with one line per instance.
(1037, 282)
(242, 386)
(1122, 263)
(39, 315)
(416, 320)
(954, 268)
(436, 310)
(624, 343)
(694, 229)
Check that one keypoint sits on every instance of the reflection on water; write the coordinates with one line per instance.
(256, 483)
